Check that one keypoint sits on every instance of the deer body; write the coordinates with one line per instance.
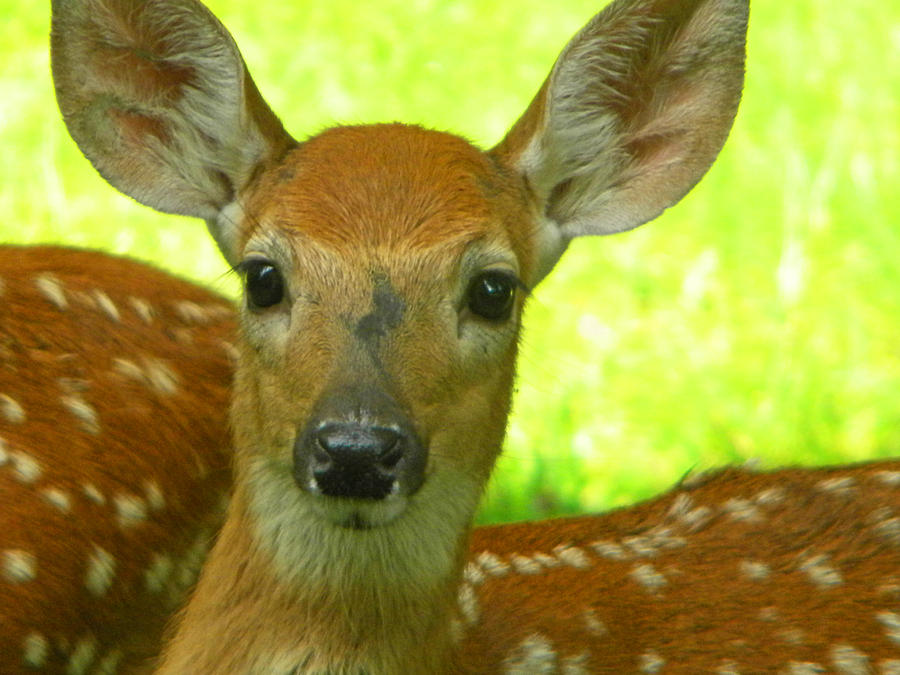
(735, 571)
(114, 384)
(385, 272)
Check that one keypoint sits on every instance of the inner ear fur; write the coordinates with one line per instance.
(633, 113)
(157, 96)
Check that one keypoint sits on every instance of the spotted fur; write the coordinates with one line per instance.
(90, 451)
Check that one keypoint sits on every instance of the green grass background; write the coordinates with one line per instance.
(758, 319)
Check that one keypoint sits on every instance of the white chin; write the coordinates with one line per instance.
(360, 514)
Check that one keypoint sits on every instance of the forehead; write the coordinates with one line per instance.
(384, 186)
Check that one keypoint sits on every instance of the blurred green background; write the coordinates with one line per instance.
(757, 319)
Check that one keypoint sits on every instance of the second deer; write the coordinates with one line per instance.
(385, 269)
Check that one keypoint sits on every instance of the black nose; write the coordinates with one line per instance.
(358, 460)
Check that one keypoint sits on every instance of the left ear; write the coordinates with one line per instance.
(633, 113)
(157, 96)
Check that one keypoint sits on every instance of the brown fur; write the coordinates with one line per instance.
(828, 598)
(169, 432)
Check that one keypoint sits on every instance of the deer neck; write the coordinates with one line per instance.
(287, 592)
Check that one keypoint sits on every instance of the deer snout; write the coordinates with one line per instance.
(359, 459)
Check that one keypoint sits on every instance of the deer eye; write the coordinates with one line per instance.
(491, 294)
(264, 284)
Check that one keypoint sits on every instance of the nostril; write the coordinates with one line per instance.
(321, 459)
(392, 455)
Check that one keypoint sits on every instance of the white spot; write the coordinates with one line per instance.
(492, 564)
(890, 667)
(191, 312)
(468, 604)
(525, 565)
(192, 560)
(35, 650)
(647, 576)
(130, 509)
(754, 570)
(695, 519)
(889, 530)
(183, 336)
(220, 311)
(573, 557)
(82, 656)
(728, 667)
(609, 550)
(154, 373)
(154, 494)
(849, 661)
(820, 572)
(142, 308)
(4, 453)
(593, 624)
(52, 289)
(793, 636)
(92, 492)
(230, 351)
(58, 498)
(769, 614)
(837, 485)
(890, 478)
(534, 656)
(576, 665)
(109, 664)
(161, 376)
(26, 467)
(682, 503)
(83, 411)
(157, 575)
(770, 497)
(649, 545)
(891, 588)
(805, 668)
(11, 409)
(742, 510)
(891, 623)
(473, 574)
(651, 662)
(106, 305)
(19, 566)
(546, 560)
(129, 369)
(101, 570)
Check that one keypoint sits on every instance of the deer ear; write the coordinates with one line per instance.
(156, 95)
(632, 115)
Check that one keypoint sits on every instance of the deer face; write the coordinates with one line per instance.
(381, 312)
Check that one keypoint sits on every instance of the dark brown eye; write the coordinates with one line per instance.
(491, 295)
(264, 284)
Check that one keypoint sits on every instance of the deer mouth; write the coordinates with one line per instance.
(360, 514)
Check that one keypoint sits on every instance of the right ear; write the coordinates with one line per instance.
(157, 96)
(632, 115)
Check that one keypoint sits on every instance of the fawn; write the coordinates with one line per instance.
(385, 268)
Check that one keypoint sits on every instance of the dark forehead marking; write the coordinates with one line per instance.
(387, 312)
